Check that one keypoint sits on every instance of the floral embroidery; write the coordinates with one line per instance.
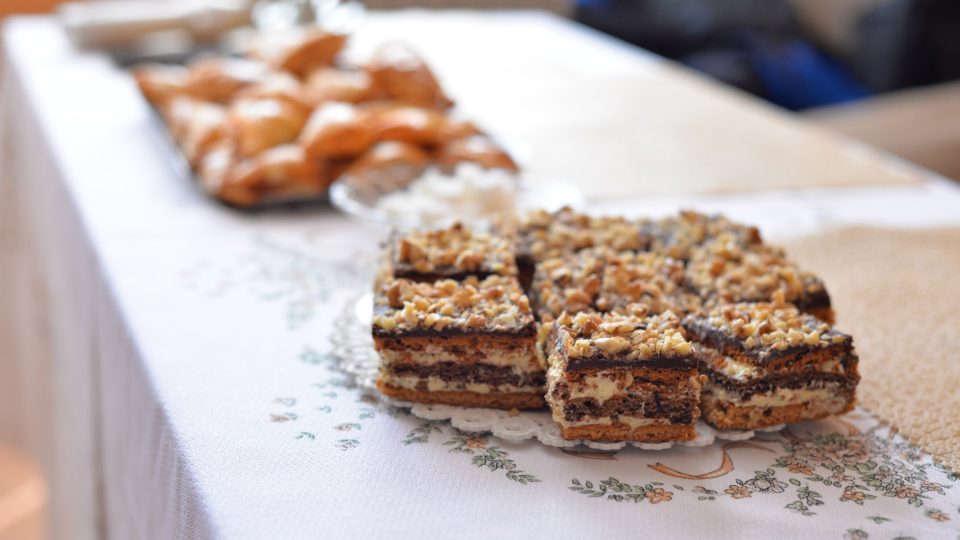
(491, 457)
(422, 433)
(856, 534)
(615, 490)
(738, 491)
(936, 515)
(347, 444)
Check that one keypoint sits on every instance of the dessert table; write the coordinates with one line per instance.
(173, 365)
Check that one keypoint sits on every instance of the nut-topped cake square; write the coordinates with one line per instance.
(544, 235)
(645, 280)
(768, 363)
(455, 252)
(568, 283)
(468, 343)
(722, 271)
(677, 236)
(623, 378)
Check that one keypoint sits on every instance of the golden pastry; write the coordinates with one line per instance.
(195, 125)
(218, 79)
(414, 125)
(257, 124)
(336, 130)
(282, 172)
(478, 149)
(160, 83)
(299, 53)
(404, 76)
(332, 84)
(398, 157)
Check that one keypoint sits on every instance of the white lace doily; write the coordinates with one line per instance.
(353, 347)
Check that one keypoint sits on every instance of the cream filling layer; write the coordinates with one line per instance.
(629, 421)
(436, 384)
(779, 397)
(742, 371)
(434, 354)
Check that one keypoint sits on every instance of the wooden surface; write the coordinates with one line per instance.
(620, 122)
(22, 498)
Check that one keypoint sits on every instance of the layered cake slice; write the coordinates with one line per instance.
(768, 363)
(454, 252)
(623, 378)
(723, 271)
(469, 343)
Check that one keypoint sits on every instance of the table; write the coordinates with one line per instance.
(184, 385)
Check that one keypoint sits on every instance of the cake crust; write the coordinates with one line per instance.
(492, 400)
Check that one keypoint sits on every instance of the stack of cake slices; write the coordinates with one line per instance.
(628, 330)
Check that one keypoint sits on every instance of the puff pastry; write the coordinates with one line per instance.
(280, 173)
(478, 149)
(336, 130)
(299, 53)
(255, 125)
(405, 77)
(331, 84)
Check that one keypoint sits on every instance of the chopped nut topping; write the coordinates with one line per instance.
(767, 326)
(546, 235)
(647, 280)
(613, 335)
(494, 303)
(723, 271)
(677, 237)
(568, 283)
(453, 251)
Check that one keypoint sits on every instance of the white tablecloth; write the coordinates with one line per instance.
(185, 387)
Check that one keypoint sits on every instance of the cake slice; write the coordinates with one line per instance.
(623, 378)
(454, 252)
(768, 363)
(723, 271)
(469, 343)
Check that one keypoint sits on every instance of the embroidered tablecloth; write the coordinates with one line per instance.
(186, 388)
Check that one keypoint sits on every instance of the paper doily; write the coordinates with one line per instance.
(353, 347)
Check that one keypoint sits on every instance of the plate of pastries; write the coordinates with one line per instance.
(284, 119)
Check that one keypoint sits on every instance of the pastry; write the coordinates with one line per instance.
(333, 84)
(623, 378)
(219, 79)
(255, 125)
(281, 173)
(455, 253)
(299, 53)
(336, 130)
(769, 364)
(469, 343)
(404, 77)
(478, 149)
(723, 271)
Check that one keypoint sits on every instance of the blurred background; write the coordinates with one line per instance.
(880, 71)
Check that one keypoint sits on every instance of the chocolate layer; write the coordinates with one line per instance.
(733, 346)
(808, 380)
(448, 332)
(407, 272)
(654, 362)
(676, 411)
(472, 373)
